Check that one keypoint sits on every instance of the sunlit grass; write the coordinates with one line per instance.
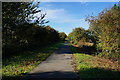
(23, 63)
(92, 67)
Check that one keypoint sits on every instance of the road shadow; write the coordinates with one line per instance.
(54, 75)
(24, 57)
(96, 73)
(64, 49)
(84, 49)
(85, 74)
(99, 74)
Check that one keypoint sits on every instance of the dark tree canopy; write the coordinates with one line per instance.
(62, 36)
(22, 29)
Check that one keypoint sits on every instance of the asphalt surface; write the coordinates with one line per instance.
(56, 67)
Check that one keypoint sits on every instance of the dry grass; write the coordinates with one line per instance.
(105, 63)
(92, 67)
(89, 44)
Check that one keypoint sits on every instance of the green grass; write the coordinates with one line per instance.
(23, 63)
(95, 68)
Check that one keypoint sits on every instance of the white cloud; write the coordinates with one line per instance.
(59, 16)
(71, 20)
(54, 13)
(51, 14)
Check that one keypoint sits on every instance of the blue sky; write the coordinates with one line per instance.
(65, 16)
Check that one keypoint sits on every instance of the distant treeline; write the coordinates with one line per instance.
(104, 33)
(23, 30)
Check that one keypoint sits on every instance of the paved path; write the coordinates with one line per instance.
(56, 67)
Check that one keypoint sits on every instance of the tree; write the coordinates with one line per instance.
(78, 33)
(70, 37)
(14, 16)
(18, 21)
(52, 34)
(106, 28)
(62, 36)
(81, 37)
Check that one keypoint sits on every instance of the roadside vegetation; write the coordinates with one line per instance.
(97, 50)
(19, 64)
(27, 41)
(103, 35)
(22, 30)
(25, 38)
(90, 67)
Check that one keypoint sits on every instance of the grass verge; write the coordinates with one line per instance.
(19, 65)
(95, 68)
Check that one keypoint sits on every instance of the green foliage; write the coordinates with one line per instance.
(76, 35)
(52, 35)
(81, 42)
(80, 36)
(23, 30)
(17, 16)
(70, 37)
(94, 68)
(106, 27)
(20, 64)
(62, 36)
